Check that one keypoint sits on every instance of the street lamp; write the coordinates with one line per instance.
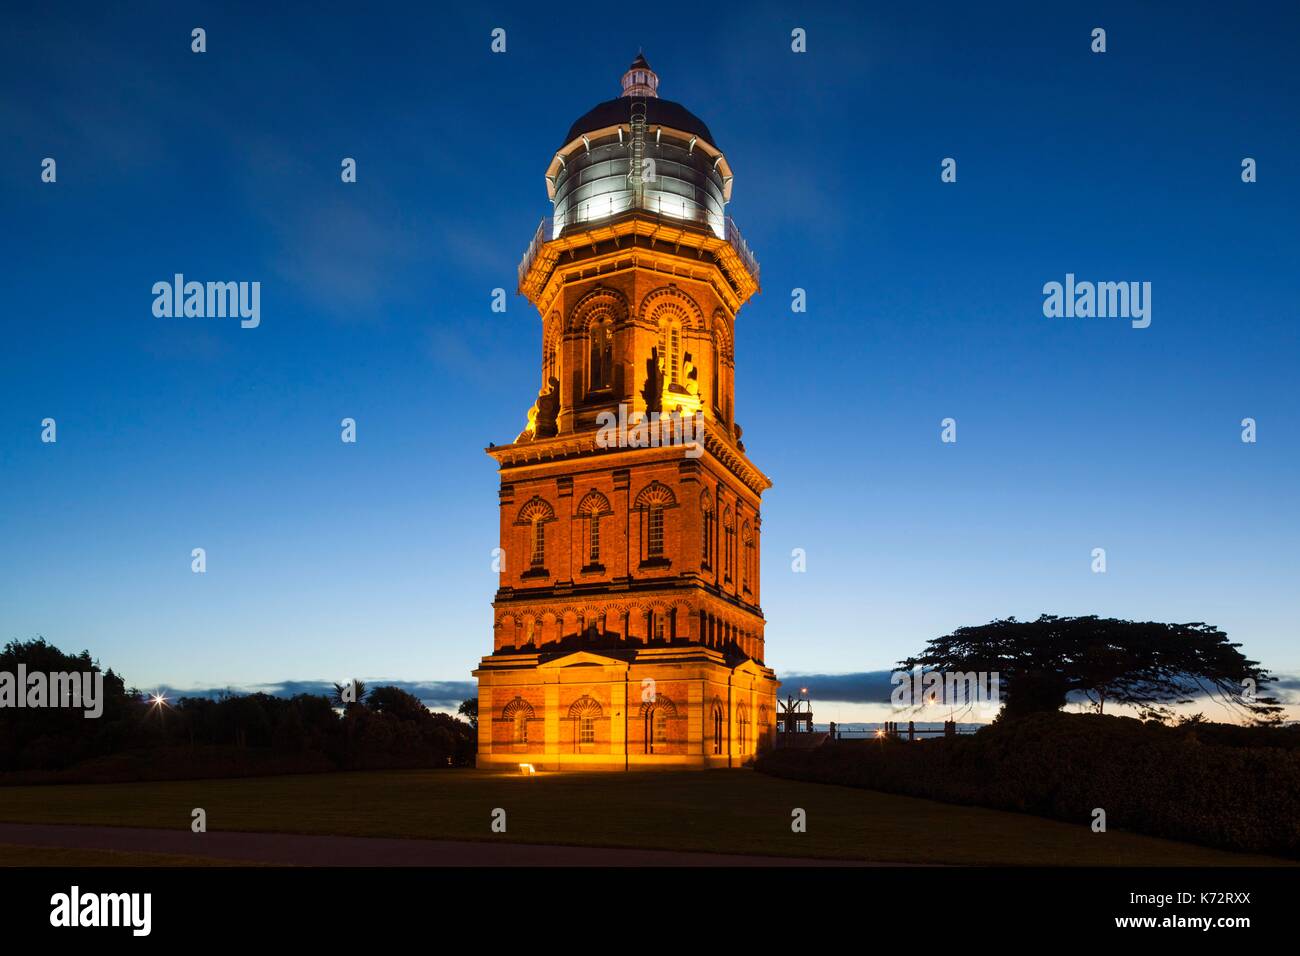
(158, 702)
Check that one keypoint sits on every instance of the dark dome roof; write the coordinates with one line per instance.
(657, 113)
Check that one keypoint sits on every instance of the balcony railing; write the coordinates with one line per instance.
(540, 238)
(722, 226)
(737, 242)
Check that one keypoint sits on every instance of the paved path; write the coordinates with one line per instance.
(310, 850)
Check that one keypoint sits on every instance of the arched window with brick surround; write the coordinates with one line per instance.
(593, 507)
(534, 516)
(722, 359)
(551, 351)
(655, 715)
(518, 713)
(706, 528)
(746, 557)
(584, 712)
(652, 505)
(728, 547)
(600, 336)
(670, 349)
(595, 318)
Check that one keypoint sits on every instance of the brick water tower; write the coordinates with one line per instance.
(628, 631)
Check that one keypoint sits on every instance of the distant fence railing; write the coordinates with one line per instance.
(896, 730)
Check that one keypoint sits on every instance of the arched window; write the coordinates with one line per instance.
(534, 515)
(717, 375)
(746, 565)
(652, 501)
(706, 527)
(721, 356)
(551, 352)
(602, 355)
(717, 728)
(654, 727)
(538, 558)
(670, 350)
(729, 529)
(517, 713)
(591, 509)
(742, 727)
(655, 542)
(584, 712)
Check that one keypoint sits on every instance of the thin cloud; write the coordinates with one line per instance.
(874, 687)
(866, 687)
(433, 694)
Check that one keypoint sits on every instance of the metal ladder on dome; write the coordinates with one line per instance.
(634, 172)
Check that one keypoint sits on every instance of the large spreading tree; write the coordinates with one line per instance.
(1043, 664)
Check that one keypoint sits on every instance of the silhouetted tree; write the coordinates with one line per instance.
(357, 690)
(385, 727)
(469, 710)
(54, 737)
(397, 703)
(1141, 663)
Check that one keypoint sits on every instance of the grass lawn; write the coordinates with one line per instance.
(733, 811)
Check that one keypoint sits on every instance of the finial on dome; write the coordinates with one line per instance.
(640, 80)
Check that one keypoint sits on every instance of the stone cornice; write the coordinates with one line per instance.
(583, 445)
(638, 241)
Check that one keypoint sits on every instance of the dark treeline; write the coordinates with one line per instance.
(138, 737)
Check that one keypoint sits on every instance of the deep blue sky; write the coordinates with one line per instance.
(328, 560)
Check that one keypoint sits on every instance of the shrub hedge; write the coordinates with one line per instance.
(1222, 786)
